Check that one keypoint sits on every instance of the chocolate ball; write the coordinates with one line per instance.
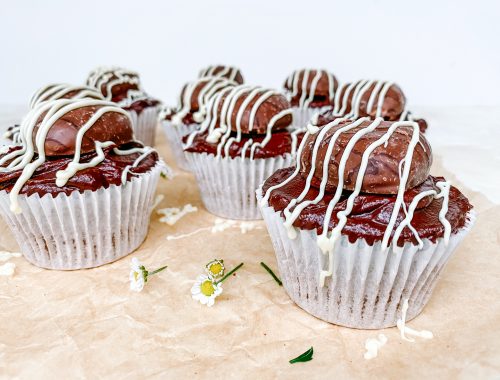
(320, 84)
(64, 91)
(114, 82)
(391, 108)
(223, 71)
(271, 103)
(114, 125)
(382, 171)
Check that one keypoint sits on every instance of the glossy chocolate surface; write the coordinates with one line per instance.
(371, 212)
(382, 172)
(61, 137)
(269, 108)
(107, 173)
(279, 144)
(321, 92)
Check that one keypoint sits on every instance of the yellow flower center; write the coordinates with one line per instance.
(136, 275)
(207, 288)
(215, 269)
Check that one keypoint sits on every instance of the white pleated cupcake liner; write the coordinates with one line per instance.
(83, 230)
(227, 185)
(302, 116)
(174, 136)
(368, 285)
(144, 124)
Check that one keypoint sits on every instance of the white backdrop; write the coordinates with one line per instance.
(441, 53)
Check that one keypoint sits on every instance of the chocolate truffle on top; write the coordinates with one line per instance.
(311, 88)
(53, 92)
(73, 145)
(194, 97)
(114, 82)
(64, 91)
(245, 121)
(229, 72)
(368, 98)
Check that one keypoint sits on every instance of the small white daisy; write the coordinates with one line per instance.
(137, 275)
(215, 269)
(206, 290)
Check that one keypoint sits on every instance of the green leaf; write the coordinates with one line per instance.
(305, 357)
(269, 270)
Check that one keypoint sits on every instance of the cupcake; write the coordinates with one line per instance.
(78, 191)
(190, 112)
(368, 98)
(242, 141)
(359, 226)
(228, 72)
(309, 92)
(54, 91)
(123, 87)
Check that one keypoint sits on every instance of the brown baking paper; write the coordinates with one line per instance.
(88, 324)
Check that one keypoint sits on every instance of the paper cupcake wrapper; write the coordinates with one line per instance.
(227, 185)
(174, 136)
(83, 230)
(144, 124)
(368, 286)
(302, 116)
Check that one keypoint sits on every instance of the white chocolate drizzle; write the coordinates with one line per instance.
(229, 72)
(300, 85)
(13, 134)
(102, 76)
(219, 225)
(401, 324)
(210, 86)
(172, 215)
(61, 91)
(373, 345)
(7, 269)
(353, 95)
(52, 111)
(219, 124)
(5, 255)
(327, 239)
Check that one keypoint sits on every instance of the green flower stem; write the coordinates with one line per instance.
(230, 273)
(155, 271)
(269, 270)
(305, 357)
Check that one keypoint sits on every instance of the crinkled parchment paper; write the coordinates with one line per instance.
(88, 324)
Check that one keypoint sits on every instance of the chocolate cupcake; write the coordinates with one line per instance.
(190, 112)
(78, 191)
(123, 87)
(309, 92)
(243, 140)
(359, 225)
(368, 98)
(228, 72)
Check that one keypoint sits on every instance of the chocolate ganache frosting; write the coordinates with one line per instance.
(228, 72)
(368, 98)
(71, 145)
(245, 121)
(311, 88)
(366, 179)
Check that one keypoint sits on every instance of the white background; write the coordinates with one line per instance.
(441, 53)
